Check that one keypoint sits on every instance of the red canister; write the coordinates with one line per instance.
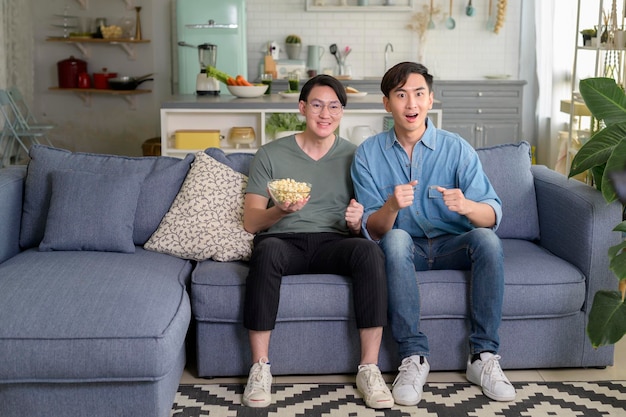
(68, 70)
(101, 79)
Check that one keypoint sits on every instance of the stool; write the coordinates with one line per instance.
(152, 147)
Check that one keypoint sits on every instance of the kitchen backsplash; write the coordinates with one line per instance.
(469, 51)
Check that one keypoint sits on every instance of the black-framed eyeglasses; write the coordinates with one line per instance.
(334, 107)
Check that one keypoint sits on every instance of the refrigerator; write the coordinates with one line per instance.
(217, 22)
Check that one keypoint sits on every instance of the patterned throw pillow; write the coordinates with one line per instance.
(206, 218)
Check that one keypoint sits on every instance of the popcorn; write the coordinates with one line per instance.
(288, 190)
(111, 32)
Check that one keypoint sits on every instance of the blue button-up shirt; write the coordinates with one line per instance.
(440, 158)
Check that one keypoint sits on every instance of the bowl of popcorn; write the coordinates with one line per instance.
(288, 190)
(111, 32)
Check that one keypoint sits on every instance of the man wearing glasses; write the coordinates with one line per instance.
(319, 234)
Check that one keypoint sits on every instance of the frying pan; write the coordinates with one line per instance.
(128, 83)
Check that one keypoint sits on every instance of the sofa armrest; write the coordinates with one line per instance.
(576, 224)
(11, 197)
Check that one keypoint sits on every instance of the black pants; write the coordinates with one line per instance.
(275, 256)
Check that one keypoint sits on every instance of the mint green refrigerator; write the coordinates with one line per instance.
(216, 22)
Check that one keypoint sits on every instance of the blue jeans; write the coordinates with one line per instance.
(478, 250)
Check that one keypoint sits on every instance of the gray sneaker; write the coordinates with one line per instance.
(409, 384)
(375, 392)
(487, 373)
(258, 392)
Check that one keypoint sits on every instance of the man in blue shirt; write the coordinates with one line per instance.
(430, 206)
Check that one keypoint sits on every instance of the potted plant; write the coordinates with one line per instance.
(293, 46)
(604, 154)
(283, 124)
(587, 35)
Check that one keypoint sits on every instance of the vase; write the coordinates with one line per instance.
(138, 25)
(293, 50)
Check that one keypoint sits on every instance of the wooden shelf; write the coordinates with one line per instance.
(86, 93)
(126, 44)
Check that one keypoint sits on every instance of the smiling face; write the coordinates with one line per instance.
(322, 110)
(409, 104)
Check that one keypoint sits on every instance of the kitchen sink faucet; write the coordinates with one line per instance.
(387, 48)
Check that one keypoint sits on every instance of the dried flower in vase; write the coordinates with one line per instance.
(419, 24)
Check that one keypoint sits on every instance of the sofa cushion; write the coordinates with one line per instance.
(102, 221)
(508, 168)
(552, 288)
(162, 178)
(92, 316)
(239, 161)
(206, 218)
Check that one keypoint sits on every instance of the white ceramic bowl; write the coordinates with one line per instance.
(247, 91)
(241, 136)
(292, 192)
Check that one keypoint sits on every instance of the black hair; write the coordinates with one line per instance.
(397, 75)
(328, 81)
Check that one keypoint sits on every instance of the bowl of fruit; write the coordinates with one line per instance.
(288, 191)
(247, 91)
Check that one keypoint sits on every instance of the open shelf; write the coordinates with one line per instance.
(86, 93)
(81, 43)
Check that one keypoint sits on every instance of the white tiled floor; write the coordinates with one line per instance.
(616, 372)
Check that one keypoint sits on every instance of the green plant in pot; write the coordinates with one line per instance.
(278, 123)
(587, 35)
(293, 46)
(604, 154)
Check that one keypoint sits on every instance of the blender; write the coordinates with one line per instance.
(207, 54)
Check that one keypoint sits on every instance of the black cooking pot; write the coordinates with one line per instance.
(127, 83)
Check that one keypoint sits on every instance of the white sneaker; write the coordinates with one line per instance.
(375, 392)
(409, 384)
(487, 373)
(258, 392)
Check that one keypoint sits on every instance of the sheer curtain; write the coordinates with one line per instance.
(17, 46)
(555, 23)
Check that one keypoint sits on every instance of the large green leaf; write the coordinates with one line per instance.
(616, 162)
(607, 318)
(617, 260)
(620, 227)
(598, 149)
(605, 99)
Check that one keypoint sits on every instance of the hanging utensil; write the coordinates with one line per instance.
(491, 24)
(469, 10)
(431, 24)
(333, 50)
(450, 23)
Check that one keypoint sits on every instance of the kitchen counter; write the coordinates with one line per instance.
(371, 85)
(266, 102)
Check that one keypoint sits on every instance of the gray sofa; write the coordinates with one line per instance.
(555, 232)
(93, 324)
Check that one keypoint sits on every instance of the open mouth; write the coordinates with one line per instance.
(411, 117)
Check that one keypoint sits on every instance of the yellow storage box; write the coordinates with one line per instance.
(197, 139)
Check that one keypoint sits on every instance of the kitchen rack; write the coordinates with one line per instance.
(82, 44)
(603, 55)
(86, 93)
(84, 4)
(373, 6)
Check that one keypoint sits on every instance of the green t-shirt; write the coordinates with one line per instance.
(331, 184)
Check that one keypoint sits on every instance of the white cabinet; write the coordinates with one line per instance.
(222, 113)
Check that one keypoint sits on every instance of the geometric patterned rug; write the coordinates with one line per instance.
(534, 399)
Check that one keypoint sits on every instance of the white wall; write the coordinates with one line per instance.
(467, 52)
(108, 125)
